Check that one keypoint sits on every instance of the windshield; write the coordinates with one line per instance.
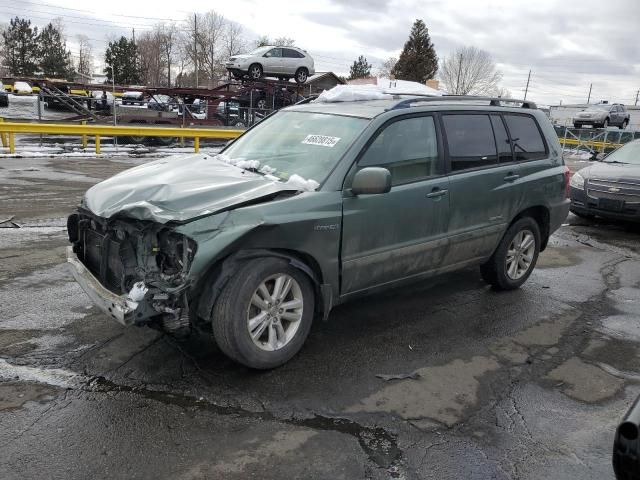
(629, 153)
(260, 50)
(296, 143)
(599, 107)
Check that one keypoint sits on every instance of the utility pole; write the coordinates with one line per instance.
(589, 97)
(133, 31)
(637, 94)
(195, 44)
(526, 90)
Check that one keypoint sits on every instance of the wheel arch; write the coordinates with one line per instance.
(542, 217)
(221, 270)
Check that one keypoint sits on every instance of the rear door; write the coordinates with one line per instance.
(290, 61)
(402, 233)
(483, 184)
(533, 158)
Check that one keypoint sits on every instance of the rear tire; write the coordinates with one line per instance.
(624, 125)
(505, 270)
(250, 324)
(301, 75)
(605, 124)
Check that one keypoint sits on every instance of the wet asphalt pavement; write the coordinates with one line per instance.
(519, 385)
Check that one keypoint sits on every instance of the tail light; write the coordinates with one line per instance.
(567, 179)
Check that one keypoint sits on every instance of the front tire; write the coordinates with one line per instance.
(516, 256)
(255, 72)
(624, 125)
(264, 313)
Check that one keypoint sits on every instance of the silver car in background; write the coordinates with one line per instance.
(272, 61)
(603, 115)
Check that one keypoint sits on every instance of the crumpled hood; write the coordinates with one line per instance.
(178, 189)
(615, 172)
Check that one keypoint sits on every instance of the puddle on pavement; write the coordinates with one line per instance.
(585, 382)
(557, 257)
(14, 395)
(444, 393)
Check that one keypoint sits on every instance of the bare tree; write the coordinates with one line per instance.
(84, 65)
(284, 42)
(151, 57)
(168, 37)
(387, 67)
(234, 41)
(470, 71)
(210, 44)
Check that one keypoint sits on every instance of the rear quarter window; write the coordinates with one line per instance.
(526, 138)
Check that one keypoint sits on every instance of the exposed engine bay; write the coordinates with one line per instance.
(147, 261)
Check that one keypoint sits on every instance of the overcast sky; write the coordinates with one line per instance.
(567, 44)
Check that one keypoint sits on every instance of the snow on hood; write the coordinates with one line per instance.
(183, 187)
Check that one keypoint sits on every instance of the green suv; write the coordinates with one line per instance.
(320, 203)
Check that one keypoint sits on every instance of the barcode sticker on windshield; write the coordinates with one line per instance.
(321, 140)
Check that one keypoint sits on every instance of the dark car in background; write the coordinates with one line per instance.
(611, 187)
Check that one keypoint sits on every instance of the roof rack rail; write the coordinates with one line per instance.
(493, 101)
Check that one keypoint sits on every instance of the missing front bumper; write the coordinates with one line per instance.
(118, 307)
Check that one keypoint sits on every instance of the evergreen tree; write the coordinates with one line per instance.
(123, 56)
(418, 61)
(360, 68)
(20, 47)
(55, 59)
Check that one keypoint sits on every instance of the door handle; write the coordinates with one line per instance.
(436, 193)
(511, 177)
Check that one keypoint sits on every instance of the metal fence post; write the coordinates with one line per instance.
(196, 144)
(97, 144)
(3, 135)
(12, 143)
(84, 137)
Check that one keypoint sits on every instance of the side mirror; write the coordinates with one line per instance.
(371, 181)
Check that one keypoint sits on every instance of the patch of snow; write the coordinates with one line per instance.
(352, 93)
(266, 169)
(300, 183)
(248, 164)
(49, 376)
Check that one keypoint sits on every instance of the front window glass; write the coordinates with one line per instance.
(260, 51)
(305, 144)
(407, 148)
(275, 52)
(629, 153)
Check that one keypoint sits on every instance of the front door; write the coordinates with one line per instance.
(402, 233)
(272, 61)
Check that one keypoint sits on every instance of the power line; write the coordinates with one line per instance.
(112, 24)
(114, 14)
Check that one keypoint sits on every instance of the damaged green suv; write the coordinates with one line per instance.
(317, 204)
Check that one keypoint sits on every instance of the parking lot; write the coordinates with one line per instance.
(443, 380)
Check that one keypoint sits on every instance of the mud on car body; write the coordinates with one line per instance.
(318, 204)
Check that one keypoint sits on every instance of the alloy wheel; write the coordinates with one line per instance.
(520, 254)
(275, 312)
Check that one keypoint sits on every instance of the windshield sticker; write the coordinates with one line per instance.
(322, 140)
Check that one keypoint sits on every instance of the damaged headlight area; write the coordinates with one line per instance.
(145, 263)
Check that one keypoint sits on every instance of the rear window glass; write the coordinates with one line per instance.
(470, 141)
(526, 138)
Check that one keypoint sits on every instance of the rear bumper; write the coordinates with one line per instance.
(115, 306)
(557, 215)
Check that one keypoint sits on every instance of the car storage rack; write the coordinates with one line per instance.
(493, 101)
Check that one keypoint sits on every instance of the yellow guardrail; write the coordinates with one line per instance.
(586, 143)
(10, 129)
